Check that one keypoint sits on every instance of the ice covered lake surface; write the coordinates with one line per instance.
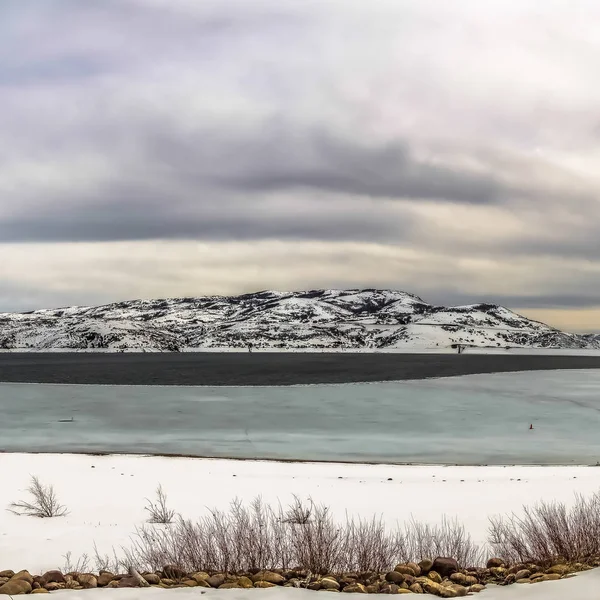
(475, 419)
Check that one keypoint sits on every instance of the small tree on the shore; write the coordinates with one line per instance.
(44, 503)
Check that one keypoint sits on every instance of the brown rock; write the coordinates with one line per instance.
(494, 562)
(245, 583)
(523, 574)
(40, 591)
(460, 590)
(435, 576)
(498, 572)
(527, 580)
(425, 566)
(416, 588)
(551, 577)
(477, 588)
(3, 580)
(264, 585)
(15, 587)
(199, 576)
(51, 577)
(87, 581)
(558, 570)
(104, 579)
(445, 566)
(114, 583)
(229, 586)
(173, 572)
(431, 587)
(404, 591)
(24, 576)
(189, 583)
(355, 588)
(415, 567)
(151, 578)
(269, 576)
(52, 587)
(128, 582)
(8, 573)
(406, 570)
(394, 577)
(374, 588)
(216, 581)
(329, 583)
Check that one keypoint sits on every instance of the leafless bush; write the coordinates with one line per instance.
(159, 511)
(106, 562)
(44, 503)
(549, 531)
(259, 536)
(80, 566)
(449, 538)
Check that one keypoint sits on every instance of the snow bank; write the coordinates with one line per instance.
(106, 495)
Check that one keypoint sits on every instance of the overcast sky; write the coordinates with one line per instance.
(153, 148)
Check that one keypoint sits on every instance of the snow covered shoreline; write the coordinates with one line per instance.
(106, 495)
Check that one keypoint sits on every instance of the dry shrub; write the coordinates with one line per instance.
(159, 511)
(302, 535)
(549, 532)
(44, 503)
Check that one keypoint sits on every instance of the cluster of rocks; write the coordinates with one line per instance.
(441, 577)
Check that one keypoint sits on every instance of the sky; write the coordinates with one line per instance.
(157, 148)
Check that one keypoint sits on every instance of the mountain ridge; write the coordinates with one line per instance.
(367, 318)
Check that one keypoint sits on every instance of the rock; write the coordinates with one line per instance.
(114, 583)
(216, 581)
(445, 566)
(460, 590)
(3, 580)
(394, 577)
(173, 572)
(415, 567)
(329, 583)
(264, 585)
(24, 576)
(551, 577)
(425, 566)
(269, 576)
(494, 562)
(87, 581)
(374, 588)
(8, 573)
(435, 576)
(498, 572)
(189, 583)
(105, 578)
(128, 582)
(40, 590)
(537, 575)
(477, 588)
(151, 578)
(52, 587)
(523, 574)
(245, 583)
(404, 591)
(416, 588)
(526, 580)
(459, 578)
(407, 570)
(558, 570)
(15, 587)
(232, 585)
(169, 582)
(355, 588)
(431, 587)
(199, 576)
(51, 577)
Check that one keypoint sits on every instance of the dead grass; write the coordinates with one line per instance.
(44, 503)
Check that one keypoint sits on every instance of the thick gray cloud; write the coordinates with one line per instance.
(468, 131)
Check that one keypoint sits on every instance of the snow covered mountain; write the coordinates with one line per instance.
(366, 318)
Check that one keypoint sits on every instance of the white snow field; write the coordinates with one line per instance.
(106, 495)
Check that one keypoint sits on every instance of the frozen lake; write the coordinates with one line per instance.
(475, 419)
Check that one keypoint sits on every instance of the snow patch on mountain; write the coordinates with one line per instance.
(320, 319)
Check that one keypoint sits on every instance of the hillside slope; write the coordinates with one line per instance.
(312, 319)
